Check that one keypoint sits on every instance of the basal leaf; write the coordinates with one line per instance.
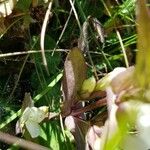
(73, 77)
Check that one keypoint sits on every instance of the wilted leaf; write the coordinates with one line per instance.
(31, 118)
(33, 128)
(83, 40)
(98, 28)
(27, 102)
(74, 75)
(142, 76)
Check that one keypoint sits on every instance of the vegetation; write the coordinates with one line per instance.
(67, 75)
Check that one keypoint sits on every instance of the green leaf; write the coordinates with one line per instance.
(52, 136)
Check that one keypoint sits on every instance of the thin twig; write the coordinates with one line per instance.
(7, 138)
(45, 22)
(76, 15)
(30, 52)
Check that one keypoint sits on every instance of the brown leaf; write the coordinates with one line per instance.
(73, 77)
